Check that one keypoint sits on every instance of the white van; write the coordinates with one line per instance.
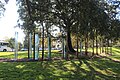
(4, 46)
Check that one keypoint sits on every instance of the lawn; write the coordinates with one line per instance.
(83, 69)
(24, 54)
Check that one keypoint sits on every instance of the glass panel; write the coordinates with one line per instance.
(49, 46)
(36, 46)
(16, 45)
(30, 45)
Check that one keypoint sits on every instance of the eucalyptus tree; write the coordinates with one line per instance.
(92, 18)
(39, 9)
(2, 7)
(111, 8)
(26, 16)
(76, 13)
(89, 17)
(33, 11)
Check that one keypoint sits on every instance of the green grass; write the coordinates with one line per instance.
(83, 69)
(116, 53)
(24, 54)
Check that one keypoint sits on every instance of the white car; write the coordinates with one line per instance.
(5, 48)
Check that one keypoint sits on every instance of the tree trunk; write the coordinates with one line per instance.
(77, 45)
(96, 46)
(93, 47)
(69, 44)
(43, 43)
(86, 45)
(107, 46)
(111, 47)
(105, 49)
(77, 49)
(80, 46)
(100, 45)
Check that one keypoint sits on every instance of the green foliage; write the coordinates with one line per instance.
(88, 15)
(11, 42)
(91, 19)
(2, 7)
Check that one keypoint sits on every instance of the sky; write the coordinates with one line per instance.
(8, 21)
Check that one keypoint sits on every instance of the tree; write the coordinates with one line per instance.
(11, 42)
(92, 18)
(2, 7)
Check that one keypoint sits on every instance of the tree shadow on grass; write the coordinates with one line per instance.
(96, 74)
(83, 69)
(45, 70)
(106, 57)
(107, 69)
(56, 70)
(116, 51)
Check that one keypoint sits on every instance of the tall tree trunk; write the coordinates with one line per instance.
(86, 45)
(93, 46)
(100, 45)
(80, 46)
(69, 43)
(77, 47)
(93, 42)
(107, 46)
(77, 43)
(42, 42)
(111, 47)
(96, 46)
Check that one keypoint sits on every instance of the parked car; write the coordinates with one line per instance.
(24, 49)
(40, 49)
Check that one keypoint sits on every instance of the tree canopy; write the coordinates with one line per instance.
(2, 7)
(90, 17)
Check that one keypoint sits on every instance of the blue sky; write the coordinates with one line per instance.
(8, 21)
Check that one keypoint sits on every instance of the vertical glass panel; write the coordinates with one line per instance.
(49, 46)
(36, 46)
(30, 45)
(16, 45)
